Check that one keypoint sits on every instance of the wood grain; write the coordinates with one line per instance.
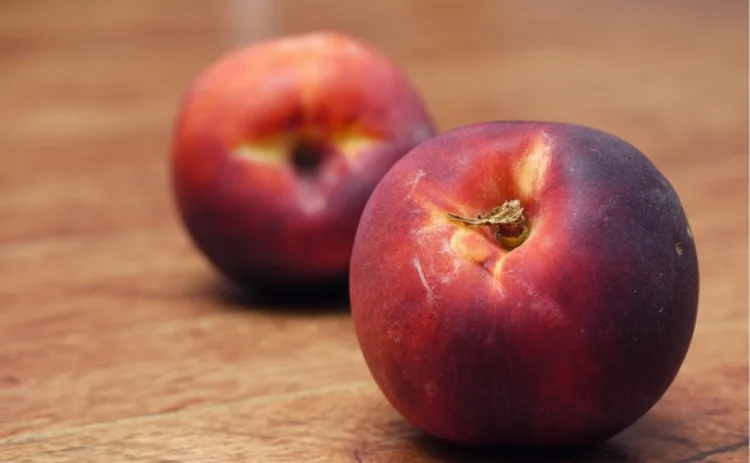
(119, 342)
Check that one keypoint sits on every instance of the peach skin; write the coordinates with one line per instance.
(277, 148)
(524, 284)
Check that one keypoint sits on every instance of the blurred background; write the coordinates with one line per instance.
(100, 81)
(89, 91)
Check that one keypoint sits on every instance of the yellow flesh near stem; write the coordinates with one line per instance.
(271, 150)
(530, 176)
(531, 169)
(279, 149)
(352, 142)
(471, 245)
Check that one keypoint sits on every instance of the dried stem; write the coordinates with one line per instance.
(507, 221)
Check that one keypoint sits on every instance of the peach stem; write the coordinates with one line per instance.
(507, 221)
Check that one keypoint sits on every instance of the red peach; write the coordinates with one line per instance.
(524, 284)
(277, 147)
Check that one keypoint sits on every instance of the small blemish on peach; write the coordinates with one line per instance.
(428, 289)
(456, 266)
(445, 279)
(549, 310)
(417, 178)
(445, 248)
(430, 389)
(394, 335)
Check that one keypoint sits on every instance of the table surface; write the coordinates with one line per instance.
(120, 343)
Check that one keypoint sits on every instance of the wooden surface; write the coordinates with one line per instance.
(119, 343)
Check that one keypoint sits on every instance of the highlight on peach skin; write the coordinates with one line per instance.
(277, 148)
(524, 284)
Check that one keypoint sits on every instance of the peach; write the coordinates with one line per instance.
(524, 284)
(277, 148)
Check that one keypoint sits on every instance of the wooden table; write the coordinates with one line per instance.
(120, 343)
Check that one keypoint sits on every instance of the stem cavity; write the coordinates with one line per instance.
(507, 222)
